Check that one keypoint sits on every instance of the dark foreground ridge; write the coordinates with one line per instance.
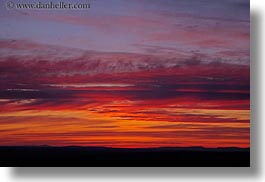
(24, 156)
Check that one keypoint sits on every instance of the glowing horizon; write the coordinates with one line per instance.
(138, 75)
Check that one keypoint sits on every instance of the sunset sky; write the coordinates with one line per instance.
(126, 73)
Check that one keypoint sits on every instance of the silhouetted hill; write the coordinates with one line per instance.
(103, 156)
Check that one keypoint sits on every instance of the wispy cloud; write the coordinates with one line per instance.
(166, 74)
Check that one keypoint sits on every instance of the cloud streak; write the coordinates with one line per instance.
(165, 74)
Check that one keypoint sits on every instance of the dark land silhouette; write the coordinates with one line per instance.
(29, 156)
